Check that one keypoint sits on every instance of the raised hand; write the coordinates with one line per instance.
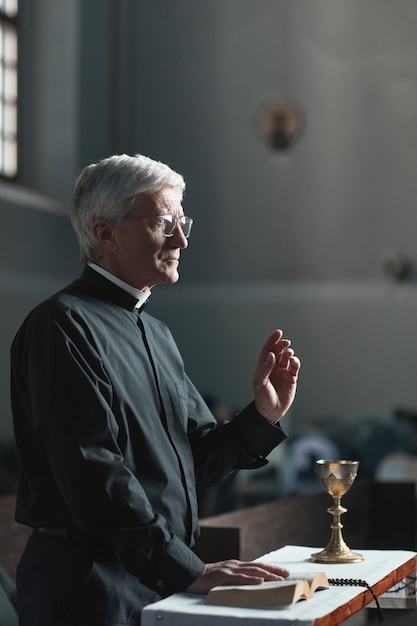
(275, 378)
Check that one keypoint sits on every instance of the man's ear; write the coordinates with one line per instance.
(104, 233)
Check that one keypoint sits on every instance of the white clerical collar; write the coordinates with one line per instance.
(141, 296)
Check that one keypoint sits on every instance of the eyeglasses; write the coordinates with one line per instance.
(168, 223)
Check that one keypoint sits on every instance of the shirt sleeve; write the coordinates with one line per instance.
(220, 450)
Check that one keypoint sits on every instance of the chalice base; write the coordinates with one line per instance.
(337, 554)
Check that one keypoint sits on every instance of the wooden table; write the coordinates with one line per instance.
(384, 570)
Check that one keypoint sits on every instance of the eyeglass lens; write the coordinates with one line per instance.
(170, 222)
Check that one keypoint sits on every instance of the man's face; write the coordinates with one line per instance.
(139, 253)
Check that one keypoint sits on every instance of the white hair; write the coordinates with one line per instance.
(108, 189)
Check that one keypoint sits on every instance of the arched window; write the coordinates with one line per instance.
(8, 88)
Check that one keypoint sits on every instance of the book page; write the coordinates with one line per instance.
(316, 580)
(267, 594)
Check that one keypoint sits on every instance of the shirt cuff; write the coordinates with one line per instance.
(175, 570)
(258, 436)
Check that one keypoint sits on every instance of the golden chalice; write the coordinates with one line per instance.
(337, 478)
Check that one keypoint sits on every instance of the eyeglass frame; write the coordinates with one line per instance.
(184, 220)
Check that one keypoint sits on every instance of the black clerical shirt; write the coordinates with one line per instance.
(113, 437)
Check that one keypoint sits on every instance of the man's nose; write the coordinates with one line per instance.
(178, 238)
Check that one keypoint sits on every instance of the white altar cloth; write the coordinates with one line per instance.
(185, 609)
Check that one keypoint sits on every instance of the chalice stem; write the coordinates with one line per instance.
(336, 542)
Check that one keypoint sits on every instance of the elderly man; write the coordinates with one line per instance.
(114, 439)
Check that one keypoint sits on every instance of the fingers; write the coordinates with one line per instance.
(284, 355)
(282, 572)
(276, 342)
(294, 366)
(277, 358)
(278, 345)
(265, 368)
(234, 572)
(290, 362)
(255, 568)
(285, 360)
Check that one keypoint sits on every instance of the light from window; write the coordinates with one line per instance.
(9, 7)
(8, 89)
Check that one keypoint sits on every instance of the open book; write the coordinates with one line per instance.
(299, 586)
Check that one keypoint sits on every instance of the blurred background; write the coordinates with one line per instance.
(294, 123)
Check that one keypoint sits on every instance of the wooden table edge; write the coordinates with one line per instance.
(365, 597)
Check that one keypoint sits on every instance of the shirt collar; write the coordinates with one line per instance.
(141, 296)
